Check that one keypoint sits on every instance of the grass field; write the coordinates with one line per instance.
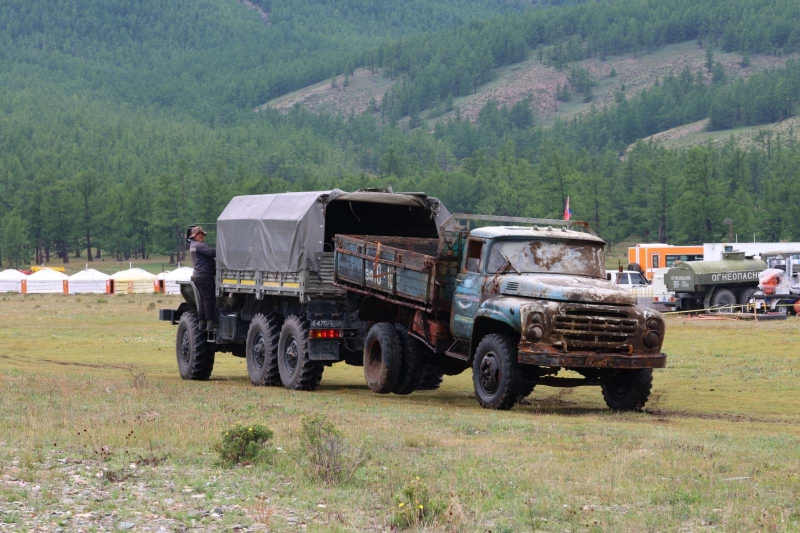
(98, 432)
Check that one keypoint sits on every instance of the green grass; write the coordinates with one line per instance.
(717, 449)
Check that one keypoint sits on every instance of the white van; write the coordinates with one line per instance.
(654, 293)
(629, 279)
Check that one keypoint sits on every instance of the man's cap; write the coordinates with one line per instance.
(196, 230)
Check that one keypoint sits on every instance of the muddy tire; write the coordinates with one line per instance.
(495, 374)
(195, 355)
(412, 364)
(628, 390)
(723, 298)
(261, 350)
(746, 294)
(297, 371)
(383, 358)
(526, 387)
(431, 378)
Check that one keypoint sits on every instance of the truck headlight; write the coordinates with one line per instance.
(535, 333)
(652, 339)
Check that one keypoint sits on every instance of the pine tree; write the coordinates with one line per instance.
(709, 57)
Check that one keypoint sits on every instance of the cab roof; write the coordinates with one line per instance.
(534, 232)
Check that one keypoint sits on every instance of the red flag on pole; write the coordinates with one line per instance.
(567, 210)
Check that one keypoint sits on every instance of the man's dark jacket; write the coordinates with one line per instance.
(203, 259)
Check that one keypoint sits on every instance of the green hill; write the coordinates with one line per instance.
(122, 122)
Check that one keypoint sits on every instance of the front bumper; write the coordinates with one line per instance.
(534, 354)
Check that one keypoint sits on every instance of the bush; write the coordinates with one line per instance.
(245, 444)
(326, 455)
(416, 506)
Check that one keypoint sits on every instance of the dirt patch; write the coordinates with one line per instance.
(634, 74)
(730, 417)
(362, 88)
(258, 9)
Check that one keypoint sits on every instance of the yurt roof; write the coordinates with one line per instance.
(180, 274)
(89, 274)
(12, 274)
(47, 274)
(132, 274)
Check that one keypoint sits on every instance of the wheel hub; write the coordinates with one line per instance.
(291, 355)
(186, 350)
(489, 373)
(259, 349)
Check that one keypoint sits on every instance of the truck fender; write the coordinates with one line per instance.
(707, 299)
(190, 294)
(491, 321)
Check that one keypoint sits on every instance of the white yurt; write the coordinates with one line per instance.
(47, 281)
(11, 280)
(90, 281)
(171, 279)
(134, 281)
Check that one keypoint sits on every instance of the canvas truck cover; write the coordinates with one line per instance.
(286, 232)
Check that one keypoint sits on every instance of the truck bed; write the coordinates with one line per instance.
(405, 270)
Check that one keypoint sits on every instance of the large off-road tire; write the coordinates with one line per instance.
(628, 390)
(413, 361)
(746, 294)
(494, 372)
(297, 370)
(526, 387)
(261, 350)
(431, 378)
(383, 358)
(723, 298)
(195, 355)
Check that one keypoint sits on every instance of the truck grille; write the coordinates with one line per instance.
(595, 329)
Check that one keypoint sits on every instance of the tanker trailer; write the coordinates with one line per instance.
(709, 284)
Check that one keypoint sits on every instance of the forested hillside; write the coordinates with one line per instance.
(122, 122)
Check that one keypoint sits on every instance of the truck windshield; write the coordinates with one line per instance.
(557, 257)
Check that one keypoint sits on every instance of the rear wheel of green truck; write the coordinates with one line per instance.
(628, 390)
(262, 350)
(723, 299)
(495, 374)
(413, 352)
(195, 355)
(297, 370)
(383, 358)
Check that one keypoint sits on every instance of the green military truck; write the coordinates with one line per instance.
(720, 284)
(398, 285)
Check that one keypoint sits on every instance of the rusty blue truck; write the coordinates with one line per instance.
(517, 301)
(397, 284)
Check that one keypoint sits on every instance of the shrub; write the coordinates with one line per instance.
(245, 444)
(325, 453)
(416, 506)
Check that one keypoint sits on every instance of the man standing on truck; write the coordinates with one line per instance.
(205, 267)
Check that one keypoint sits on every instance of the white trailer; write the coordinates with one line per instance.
(712, 251)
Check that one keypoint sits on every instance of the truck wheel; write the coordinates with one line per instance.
(723, 298)
(526, 387)
(297, 371)
(383, 357)
(412, 363)
(195, 355)
(494, 372)
(431, 378)
(262, 350)
(746, 294)
(628, 390)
